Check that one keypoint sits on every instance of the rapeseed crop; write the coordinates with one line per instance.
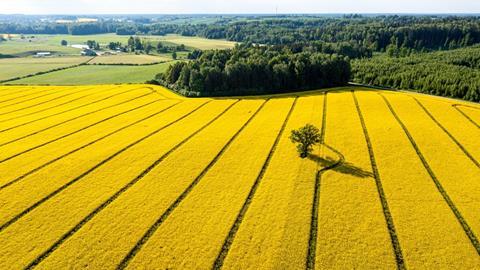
(275, 230)
(456, 179)
(416, 205)
(202, 221)
(135, 176)
(350, 213)
(65, 209)
(98, 240)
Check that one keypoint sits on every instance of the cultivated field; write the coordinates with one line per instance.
(135, 177)
(51, 43)
(140, 59)
(97, 74)
(197, 42)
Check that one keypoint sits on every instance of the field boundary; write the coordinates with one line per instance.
(238, 221)
(381, 192)
(88, 144)
(72, 119)
(117, 194)
(468, 231)
(131, 64)
(126, 260)
(71, 109)
(464, 150)
(92, 169)
(466, 115)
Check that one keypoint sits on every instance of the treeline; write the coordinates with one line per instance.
(373, 33)
(255, 70)
(453, 73)
(58, 28)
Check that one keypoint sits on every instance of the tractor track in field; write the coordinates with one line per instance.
(468, 231)
(69, 110)
(313, 234)
(158, 93)
(14, 93)
(87, 145)
(464, 150)
(399, 259)
(238, 221)
(466, 115)
(72, 119)
(45, 102)
(16, 117)
(149, 233)
(94, 168)
(74, 132)
(29, 99)
(117, 194)
(46, 109)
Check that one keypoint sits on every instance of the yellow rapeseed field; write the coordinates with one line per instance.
(275, 230)
(137, 177)
(459, 176)
(454, 123)
(416, 205)
(350, 212)
(472, 113)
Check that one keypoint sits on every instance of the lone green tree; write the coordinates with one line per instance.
(305, 138)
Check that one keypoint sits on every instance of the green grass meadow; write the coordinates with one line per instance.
(95, 74)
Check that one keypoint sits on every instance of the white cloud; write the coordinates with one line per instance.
(237, 6)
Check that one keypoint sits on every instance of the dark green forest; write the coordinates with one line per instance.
(256, 70)
(452, 73)
(371, 32)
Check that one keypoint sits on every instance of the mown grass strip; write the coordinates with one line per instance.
(89, 144)
(71, 133)
(29, 99)
(468, 231)
(465, 151)
(72, 119)
(46, 101)
(138, 246)
(465, 115)
(97, 210)
(69, 110)
(98, 165)
(238, 221)
(381, 193)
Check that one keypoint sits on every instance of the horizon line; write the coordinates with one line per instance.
(265, 13)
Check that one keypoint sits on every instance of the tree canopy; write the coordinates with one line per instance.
(256, 70)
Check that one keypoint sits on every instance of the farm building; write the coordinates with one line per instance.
(43, 54)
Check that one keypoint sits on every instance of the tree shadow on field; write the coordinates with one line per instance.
(343, 168)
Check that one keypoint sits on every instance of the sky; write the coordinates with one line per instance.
(235, 6)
